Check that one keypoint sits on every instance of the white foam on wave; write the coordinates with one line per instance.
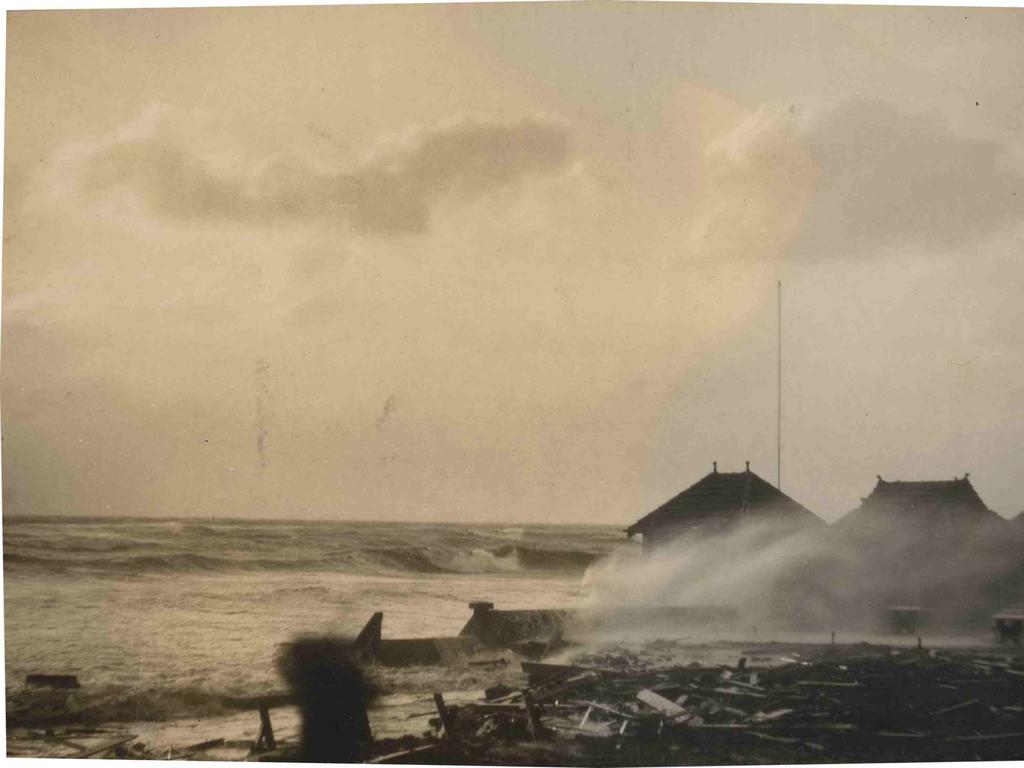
(482, 561)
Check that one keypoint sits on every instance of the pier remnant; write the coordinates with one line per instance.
(508, 629)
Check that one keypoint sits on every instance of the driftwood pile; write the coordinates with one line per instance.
(867, 705)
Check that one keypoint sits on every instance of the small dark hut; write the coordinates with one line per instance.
(717, 503)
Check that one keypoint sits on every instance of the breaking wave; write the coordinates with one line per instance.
(130, 547)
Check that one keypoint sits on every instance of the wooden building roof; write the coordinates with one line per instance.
(923, 502)
(729, 495)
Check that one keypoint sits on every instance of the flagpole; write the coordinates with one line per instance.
(778, 424)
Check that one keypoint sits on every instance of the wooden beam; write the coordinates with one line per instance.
(446, 717)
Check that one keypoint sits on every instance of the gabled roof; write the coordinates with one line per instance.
(950, 500)
(726, 494)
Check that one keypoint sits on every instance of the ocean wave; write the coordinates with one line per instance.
(554, 559)
(422, 560)
(485, 561)
(365, 549)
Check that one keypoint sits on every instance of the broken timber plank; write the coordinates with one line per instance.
(956, 707)
(203, 745)
(987, 737)
(541, 672)
(104, 747)
(767, 717)
(658, 702)
(826, 684)
(605, 708)
(399, 757)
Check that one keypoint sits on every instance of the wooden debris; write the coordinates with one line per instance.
(103, 748)
(265, 741)
(204, 745)
(532, 716)
(447, 720)
(871, 704)
(402, 755)
(667, 708)
(768, 717)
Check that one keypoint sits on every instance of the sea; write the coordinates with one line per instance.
(169, 619)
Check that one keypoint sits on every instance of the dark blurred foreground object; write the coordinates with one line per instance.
(332, 696)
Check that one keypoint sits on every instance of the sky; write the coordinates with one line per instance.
(508, 263)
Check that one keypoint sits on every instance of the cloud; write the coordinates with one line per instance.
(756, 178)
(393, 192)
(892, 179)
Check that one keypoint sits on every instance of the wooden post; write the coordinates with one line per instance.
(532, 716)
(266, 738)
(446, 717)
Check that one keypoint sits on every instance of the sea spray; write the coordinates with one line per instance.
(779, 577)
(740, 570)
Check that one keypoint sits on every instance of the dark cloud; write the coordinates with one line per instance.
(394, 192)
(889, 179)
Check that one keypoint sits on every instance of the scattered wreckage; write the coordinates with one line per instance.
(778, 703)
(845, 704)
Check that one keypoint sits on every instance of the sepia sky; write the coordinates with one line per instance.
(508, 263)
